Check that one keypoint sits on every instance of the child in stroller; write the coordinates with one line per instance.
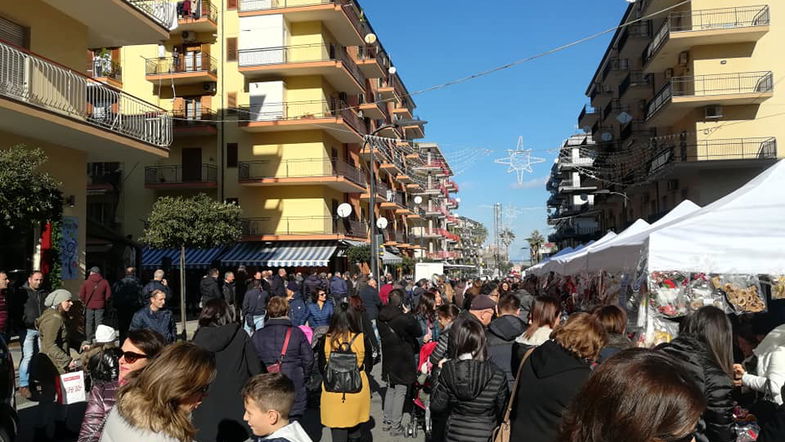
(421, 412)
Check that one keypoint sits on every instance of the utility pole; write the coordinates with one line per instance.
(497, 227)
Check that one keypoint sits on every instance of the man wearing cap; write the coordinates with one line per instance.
(94, 293)
(483, 308)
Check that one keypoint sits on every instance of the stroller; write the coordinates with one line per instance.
(421, 411)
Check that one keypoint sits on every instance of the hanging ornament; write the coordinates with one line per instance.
(519, 160)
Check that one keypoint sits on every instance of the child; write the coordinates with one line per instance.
(268, 398)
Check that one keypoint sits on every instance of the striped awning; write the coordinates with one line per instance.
(194, 258)
(390, 258)
(281, 254)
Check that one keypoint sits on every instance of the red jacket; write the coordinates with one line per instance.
(95, 292)
(384, 293)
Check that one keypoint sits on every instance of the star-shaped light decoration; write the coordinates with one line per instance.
(520, 160)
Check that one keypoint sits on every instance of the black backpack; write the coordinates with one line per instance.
(342, 374)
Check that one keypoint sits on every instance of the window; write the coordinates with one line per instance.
(231, 103)
(235, 201)
(231, 154)
(13, 33)
(231, 49)
(231, 4)
(193, 108)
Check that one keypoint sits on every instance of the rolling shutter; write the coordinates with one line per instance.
(12, 33)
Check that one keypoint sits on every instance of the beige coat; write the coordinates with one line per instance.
(356, 409)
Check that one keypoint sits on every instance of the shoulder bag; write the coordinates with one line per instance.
(503, 432)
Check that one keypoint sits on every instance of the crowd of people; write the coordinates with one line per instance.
(461, 360)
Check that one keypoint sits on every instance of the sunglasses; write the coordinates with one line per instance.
(131, 357)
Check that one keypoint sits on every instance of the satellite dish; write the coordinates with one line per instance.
(606, 136)
(624, 118)
(370, 38)
(381, 223)
(583, 197)
(392, 70)
(418, 199)
(344, 210)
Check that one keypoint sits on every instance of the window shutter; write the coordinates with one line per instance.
(231, 103)
(231, 4)
(231, 154)
(178, 107)
(231, 49)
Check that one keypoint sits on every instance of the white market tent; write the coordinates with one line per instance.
(556, 264)
(577, 263)
(623, 253)
(744, 232)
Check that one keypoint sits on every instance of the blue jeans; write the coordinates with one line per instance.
(258, 322)
(29, 340)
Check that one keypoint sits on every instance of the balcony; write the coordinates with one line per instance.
(568, 162)
(106, 71)
(190, 68)
(686, 29)
(614, 68)
(637, 129)
(309, 227)
(588, 117)
(634, 37)
(682, 94)
(375, 110)
(600, 94)
(175, 177)
(572, 186)
(341, 17)
(335, 117)
(298, 60)
(390, 88)
(735, 152)
(636, 86)
(372, 61)
(415, 212)
(194, 122)
(44, 100)
(203, 18)
(413, 132)
(381, 191)
(393, 200)
(333, 173)
(115, 23)
(443, 254)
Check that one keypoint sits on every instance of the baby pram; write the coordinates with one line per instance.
(421, 411)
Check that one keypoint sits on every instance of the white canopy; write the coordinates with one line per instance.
(624, 252)
(743, 232)
(577, 263)
(556, 264)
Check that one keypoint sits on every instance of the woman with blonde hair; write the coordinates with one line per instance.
(156, 403)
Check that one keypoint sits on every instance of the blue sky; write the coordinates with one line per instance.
(434, 41)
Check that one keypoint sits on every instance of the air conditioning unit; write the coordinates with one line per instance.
(209, 86)
(673, 185)
(713, 112)
(188, 35)
(684, 58)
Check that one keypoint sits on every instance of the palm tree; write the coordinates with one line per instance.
(535, 240)
(507, 237)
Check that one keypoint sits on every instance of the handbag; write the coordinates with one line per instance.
(503, 432)
(276, 366)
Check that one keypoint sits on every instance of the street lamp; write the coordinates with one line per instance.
(608, 192)
(372, 187)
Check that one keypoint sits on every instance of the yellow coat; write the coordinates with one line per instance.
(356, 409)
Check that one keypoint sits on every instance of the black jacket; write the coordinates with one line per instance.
(33, 302)
(501, 334)
(616, 343)
(220, 416)
(399, 333)
(550, 379)
(127, 295)
(371, 301)
(229, 294)
(716, 424)
(209, 289)
(774, 429)
(473, 394)
(278, 286)
(160, 321)
(255, 302)
(311, 284)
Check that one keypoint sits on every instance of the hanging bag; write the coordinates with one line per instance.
(342, 373)
(276, 367)
(503, 432)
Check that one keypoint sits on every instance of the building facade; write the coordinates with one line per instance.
(684, 105)
(48, 101)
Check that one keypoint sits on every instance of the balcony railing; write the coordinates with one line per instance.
(44, 84)
(201, 9)
(634, 79)
(707, 20)
(160, 11)
(349, 7)
(302, 225)
(636, 127)
(304, 110)
(105, 68)
(373, 53)
(307, 53)
(615, 65)
(711, 85)
(185, 63)
(190, 117)
(176, 174)
(641, 29)
(300, 168)
(587, 110)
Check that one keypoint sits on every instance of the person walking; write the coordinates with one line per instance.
(502, 333)
(229, 291)
(138, 349)
(319, 313)
(614, 320)
(155, 317)
(399, 332)
(338, 287)
(425, 313)
(220, 416)
(254, 307)
(157, 283)
(209, 288)
(311, 284)
(94, 293)
(127, 300)
(346, 414)
(543, 318)
(5, 319)
(371, 301)
(298, 309)
(156, 405)
(284, 347)
(32, 301)
(278, 284)
(470, 390)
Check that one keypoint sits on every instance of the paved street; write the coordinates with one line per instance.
(28, 411)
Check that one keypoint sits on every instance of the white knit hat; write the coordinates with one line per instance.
(104, 334)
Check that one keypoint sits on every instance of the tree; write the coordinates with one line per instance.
(358, 254)
(196, 222)
(507, 237)
(28, 196)
(406, 266)
(535, 240)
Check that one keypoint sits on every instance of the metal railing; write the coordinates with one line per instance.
(105, 68)
(183, 63)
(304, 110)
(302, 225)
(201, 9)
(373, 53)
(634, 79)
(615, 65)
(641, 29)
(587, 110)
(636, 127)
(759, 148)
(189, 117)
(381, 189)
(161, 11)
(306, 53)
(349, 7)
(32, 79)
(176, 174)
(300, 168)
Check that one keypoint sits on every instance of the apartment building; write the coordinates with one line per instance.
(571, 209)
(685, 105)
(272, 102)
(47, 101)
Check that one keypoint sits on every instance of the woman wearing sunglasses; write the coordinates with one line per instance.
(138, 349)
(156, 403)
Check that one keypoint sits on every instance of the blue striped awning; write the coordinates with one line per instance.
(281, 254)
(194, 258)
